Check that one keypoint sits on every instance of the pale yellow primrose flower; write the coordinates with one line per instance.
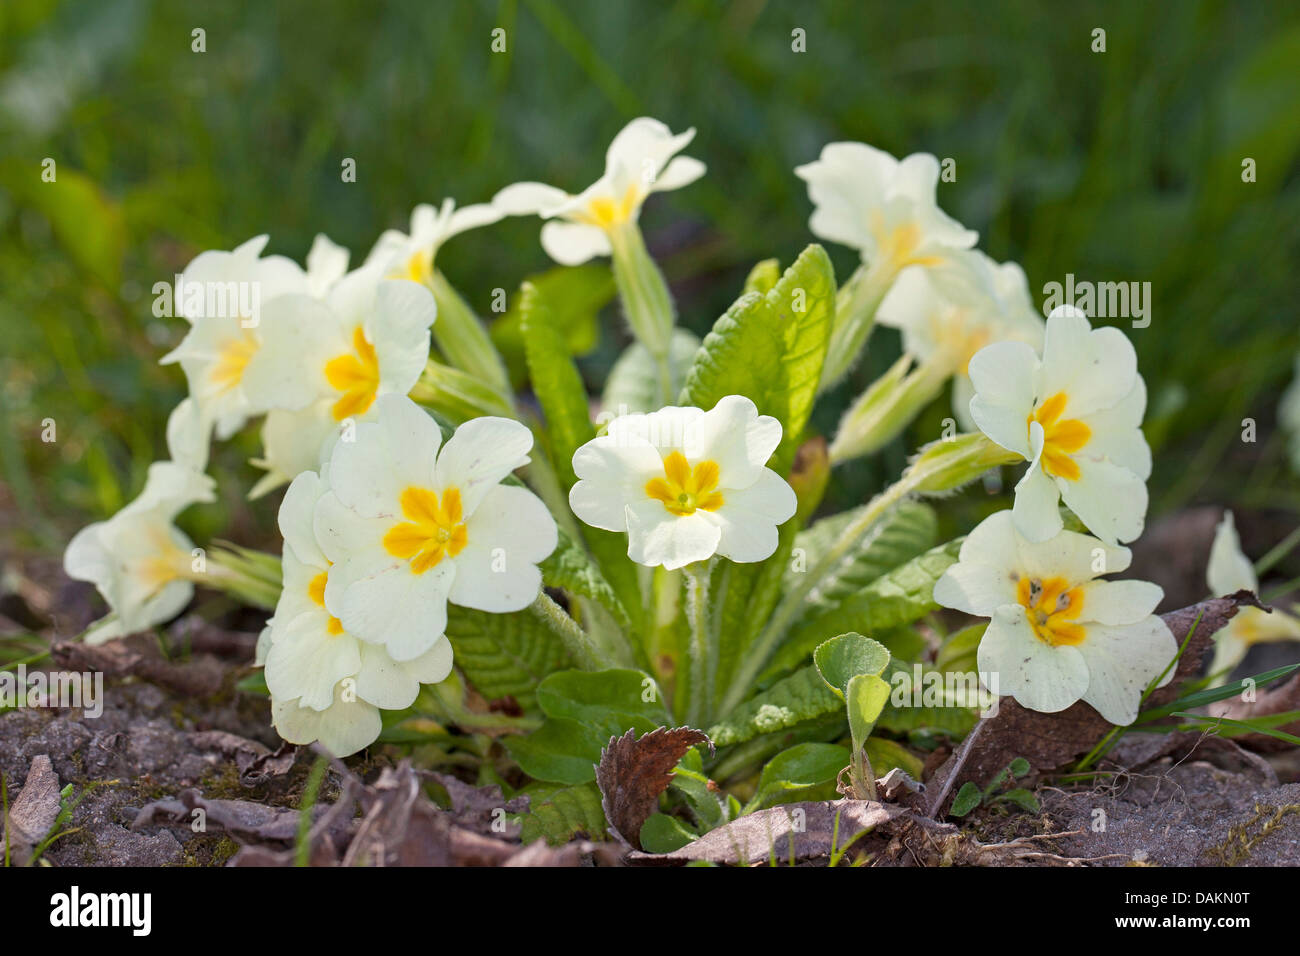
(641, 160)
(217, 288)
(1229, 571)
(313, 664)
(883, 207)
(324, 363)
(403, 256)
(138, 560)
(1056, 634)
(411, 523)
(946, 313)
(327, 263)
(686, 484)
(1076, 415)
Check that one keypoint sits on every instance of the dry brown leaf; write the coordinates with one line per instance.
(634, 771)
(798, 831)
(33, 812)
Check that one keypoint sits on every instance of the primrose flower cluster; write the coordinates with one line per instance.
(393, 519)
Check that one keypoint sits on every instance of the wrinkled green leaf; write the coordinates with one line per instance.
(900, 597)
(559, 814)
(791, 773)
(503, 655)
(662, 834)
(804, 695)
(769, 349)
(968, 798)
(577, 294)
(847, 656)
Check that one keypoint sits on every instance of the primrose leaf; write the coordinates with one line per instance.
(847, 656)
(792, 773)
(558, 814)
(556, 382)
(663, 834)
(804, 695)
(770, 347)
(763, 276)
(907, 531)
(866, 697)
(968, 798)
(503, 655)
(900, 597)
(1022, 798)
(570, 568)
(633, 382)
(584, 709)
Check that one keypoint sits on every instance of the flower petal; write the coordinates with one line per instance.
(1003, 375)
(1229, 569)
(1121, 662)
(481, 453)
(1038, 675)
(509, 532)
(655, 537)
(572, 243)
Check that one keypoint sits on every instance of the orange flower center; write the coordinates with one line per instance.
(435, 529)
(1052, 607)
(684, 489)
(1060, 438)
(356, 375)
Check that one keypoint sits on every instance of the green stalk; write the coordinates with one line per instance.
(646, 301)
(703, 648)
(855, 314)
(458, 395)
(579, 643)
(889, 405)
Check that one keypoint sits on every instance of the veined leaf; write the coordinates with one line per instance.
(503, 655)
(804, 695)
(763, 276)
(558, 814)
(903, 595)
(906, 532)
(584, 709)
(770, 347)
(792, 773)
(570, 568)
(556, 381)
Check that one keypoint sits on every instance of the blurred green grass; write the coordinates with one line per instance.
(1123, 165)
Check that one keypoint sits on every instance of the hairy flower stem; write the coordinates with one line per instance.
(855, 314)
(646, 302)
(585, 651)
(889, 405)
(703, 647)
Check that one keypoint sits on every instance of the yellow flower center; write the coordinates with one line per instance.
(316, 591)
(1051, 607)
(356, 375)
(435, 529)
(608, 213)
(419, 268)
(899, 244)
(684, 489)
(232, 360)
(1060, 438)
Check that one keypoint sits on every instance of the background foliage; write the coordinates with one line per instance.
(1117, 166)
